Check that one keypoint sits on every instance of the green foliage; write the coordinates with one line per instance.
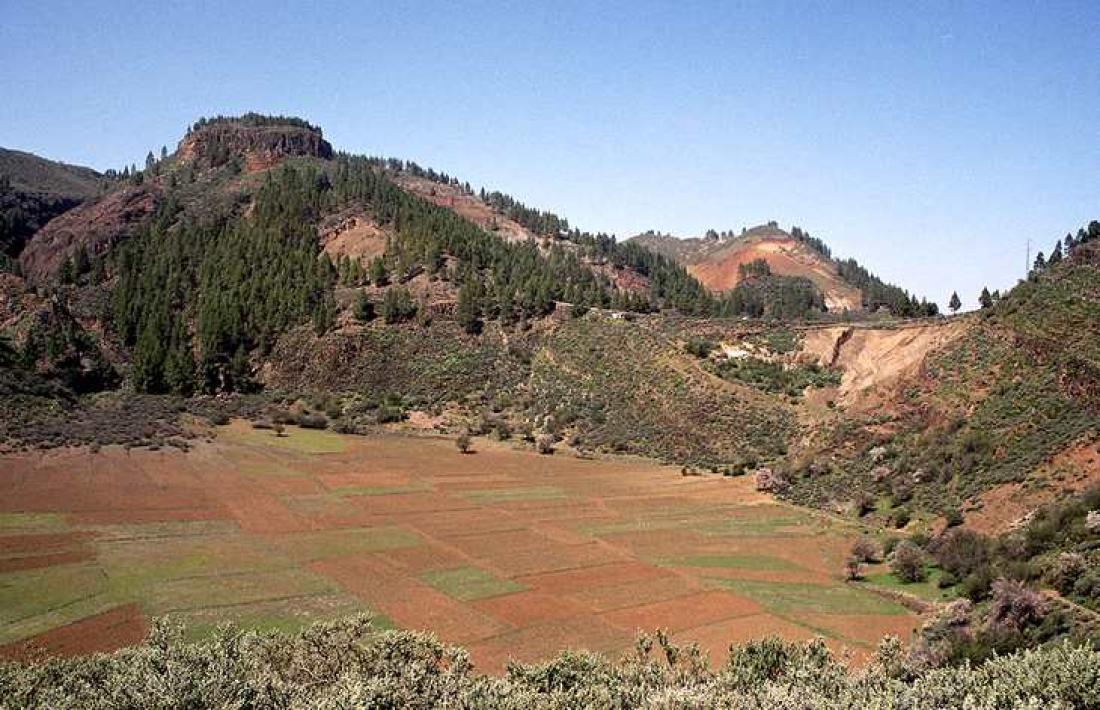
(362, 308)
(398, 306)
(773, 296)
(255, 120)
(670, 286)
(237, 282)
(701, 347)
(348, 664)
(601, 378)
(775, 377)
(908, 563)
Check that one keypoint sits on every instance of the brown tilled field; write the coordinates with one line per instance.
(511, 554)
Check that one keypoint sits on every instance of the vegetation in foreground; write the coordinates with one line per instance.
(346, 664)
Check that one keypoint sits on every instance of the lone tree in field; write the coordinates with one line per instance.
(544, 443)
(865, 550)
(853, 569)
(908, 563)
(954, 304)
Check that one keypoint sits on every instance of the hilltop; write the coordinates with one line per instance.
(34, 190)
(723, 261)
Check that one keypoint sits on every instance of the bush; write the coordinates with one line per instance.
(908, 563)
(463, 443)
(346, 664)
(701, 347)
(865, 550)
(901, 517)
(313, 421)
(960, 551)
(544, 443)
(771, 481)
(977, 584)
(1014, 606)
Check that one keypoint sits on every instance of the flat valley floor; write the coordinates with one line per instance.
(508, 553)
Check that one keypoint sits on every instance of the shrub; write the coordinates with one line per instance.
(1088, 586)
(701, 347)
(1014, 606)
(853, 569)
(313, 421)
(463, 443)
(1092, 522)
(771, 481)
(901, 517)
(977, 584)
(346, 664)
(544, 443)
(908, 563)
(960, 551)
(865, 550)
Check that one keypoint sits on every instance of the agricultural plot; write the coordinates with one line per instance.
(511, 554)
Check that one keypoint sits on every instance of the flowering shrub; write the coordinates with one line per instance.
(346, 664)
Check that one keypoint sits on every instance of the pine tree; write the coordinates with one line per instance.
(1055, 254)
(985, 299)
(67, 273)
(397, 305)
(954, 304)
(362, 309)
(378, 274)
(469, 309)
(1040, 262)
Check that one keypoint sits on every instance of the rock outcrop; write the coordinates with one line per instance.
(259, 146)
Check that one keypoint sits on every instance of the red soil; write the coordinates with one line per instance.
(715, 639)
(118, 627)
(719, 270)
(683, 612)
(864, 629)
(581, 587)
(604, 598)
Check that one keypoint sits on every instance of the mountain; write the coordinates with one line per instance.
(34, 190)
(724, 261)
(257, 257)
(256, 272)
(990, 415)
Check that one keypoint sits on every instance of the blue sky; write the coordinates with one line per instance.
(928, 140)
